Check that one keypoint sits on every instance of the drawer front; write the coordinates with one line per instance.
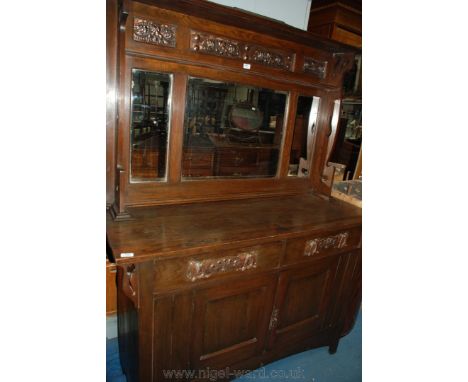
(306, 248)
(198, 159)
(174, 273)
(197, 171)
(238, 157)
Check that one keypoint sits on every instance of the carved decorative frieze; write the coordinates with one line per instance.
(215, 45)
(316, 245)
(204, 269)
(316, 67)
(270, 58)
(154, 33)
(220, 46)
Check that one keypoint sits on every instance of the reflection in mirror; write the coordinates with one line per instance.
(348, 139)
(149, 125)
(304, 126)
(231, 130)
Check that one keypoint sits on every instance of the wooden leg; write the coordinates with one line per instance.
(333, 346)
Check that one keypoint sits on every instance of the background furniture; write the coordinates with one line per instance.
(342, 21)
(339, 20)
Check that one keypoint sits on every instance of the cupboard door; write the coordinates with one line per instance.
(302, 300)
(231, 321)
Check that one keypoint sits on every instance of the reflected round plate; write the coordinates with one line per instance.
(245, 117)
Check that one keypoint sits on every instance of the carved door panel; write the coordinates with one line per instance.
(302, 300)
(231, 321)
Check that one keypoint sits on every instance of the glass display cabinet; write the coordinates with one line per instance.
(230, 252)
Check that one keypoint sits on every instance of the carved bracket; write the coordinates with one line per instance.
(152, 32)
(341, 63)
(316, 67)
(274, 319)
(130, 283)
(316, 245)
(220, 46)
(206, 268)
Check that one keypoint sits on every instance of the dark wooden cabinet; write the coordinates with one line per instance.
(230, 252)
(339, 20)
(231, 323)
(302, 302)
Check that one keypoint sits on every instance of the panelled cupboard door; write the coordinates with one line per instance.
(231, 321)
(302, 300)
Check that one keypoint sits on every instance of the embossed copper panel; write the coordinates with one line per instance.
(316, 67)
(216, 46)
(305, 249)
(206, 268)
(152, 32)
(224, 47)
(316, 245)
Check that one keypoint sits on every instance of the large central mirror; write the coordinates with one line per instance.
(231, 130)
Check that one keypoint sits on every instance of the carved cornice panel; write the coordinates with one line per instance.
(340, 64)
(224, 47)
(152, 32)
(270, 58)
(203, 269)
(316, 245)
(316, 67)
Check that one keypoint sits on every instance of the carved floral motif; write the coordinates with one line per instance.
(316, 67)
(316, 245)
(274, 319)
(269, 58)
(220, 46)
(215, 45)
(154, 33)
(206, 268)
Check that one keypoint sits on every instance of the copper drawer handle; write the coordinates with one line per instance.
(316, 245)
(203, 269)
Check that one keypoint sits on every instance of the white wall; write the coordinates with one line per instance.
(292, 12)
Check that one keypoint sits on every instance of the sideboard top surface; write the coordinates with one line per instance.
(178, 230)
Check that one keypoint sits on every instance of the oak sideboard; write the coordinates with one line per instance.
(230, 251)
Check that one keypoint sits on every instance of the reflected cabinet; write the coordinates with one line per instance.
(149, 125)
(230, 252)
(237, 128)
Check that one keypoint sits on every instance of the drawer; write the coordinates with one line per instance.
(174, 273)
(198, 158)
(240, 157)
(310, 247)
(197, 171)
